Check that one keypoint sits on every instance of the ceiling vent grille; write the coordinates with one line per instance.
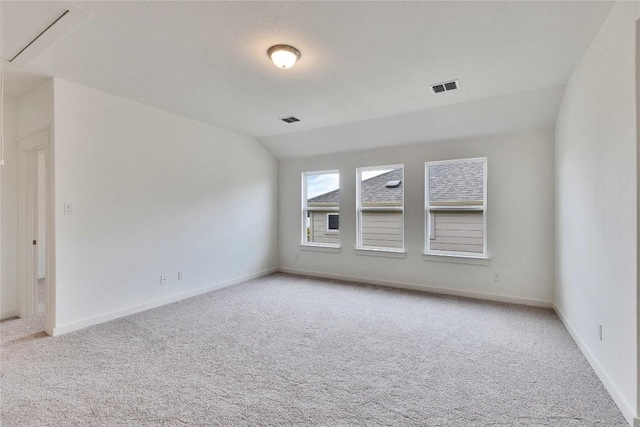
(35, 28)
(37, 37)
(445, 87)
(290, 119)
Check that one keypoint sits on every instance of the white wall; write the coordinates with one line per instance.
(9, 212)
(520, 219)
(35, 110)
(596, 229)
(154, 193)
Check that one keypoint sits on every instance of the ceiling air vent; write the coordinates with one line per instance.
(445, 87)
(290, 119)
(31, 28)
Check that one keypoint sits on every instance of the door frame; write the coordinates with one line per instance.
(28, 148)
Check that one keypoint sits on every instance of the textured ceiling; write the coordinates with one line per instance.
(360, 61)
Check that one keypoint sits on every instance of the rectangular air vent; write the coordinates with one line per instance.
(290, 119)
(445, 87)
(32, 27)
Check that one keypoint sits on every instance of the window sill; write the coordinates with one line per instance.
(321, 248)
(387, 253)
(458, 259)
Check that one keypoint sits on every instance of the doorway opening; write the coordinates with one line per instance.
(41, 233)
(35, 266)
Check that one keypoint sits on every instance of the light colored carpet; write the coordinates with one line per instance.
(291, 351)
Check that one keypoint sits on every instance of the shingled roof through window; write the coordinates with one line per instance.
(374, 190)
(459, 181)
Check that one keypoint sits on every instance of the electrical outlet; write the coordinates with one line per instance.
(164, 279)
(496, 276)
(600, 331)
(180, 275)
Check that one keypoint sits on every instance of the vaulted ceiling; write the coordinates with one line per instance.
(362, 80)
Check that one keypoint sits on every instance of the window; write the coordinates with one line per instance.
(456, 204)
(321, 208)
(333, 222)
(380, 208)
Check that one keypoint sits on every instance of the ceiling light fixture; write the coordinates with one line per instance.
(283, 56)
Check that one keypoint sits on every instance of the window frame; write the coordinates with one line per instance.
(429, 211)
(305, 209)
(360, 209)
(332, 230)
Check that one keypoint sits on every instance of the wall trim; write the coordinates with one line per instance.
(9, 313)
(624, 406)
(424, 288)
(320, 248)
(70, 327)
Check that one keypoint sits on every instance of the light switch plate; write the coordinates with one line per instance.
(68, 209)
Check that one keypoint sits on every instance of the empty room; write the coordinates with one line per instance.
(317, 213)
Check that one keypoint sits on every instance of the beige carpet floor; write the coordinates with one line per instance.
(293, 351)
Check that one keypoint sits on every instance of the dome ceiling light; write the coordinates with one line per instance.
(283, 56)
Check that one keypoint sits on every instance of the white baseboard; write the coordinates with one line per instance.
(70, 327)
(9, 313)
(425, 288)
(624, 406)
